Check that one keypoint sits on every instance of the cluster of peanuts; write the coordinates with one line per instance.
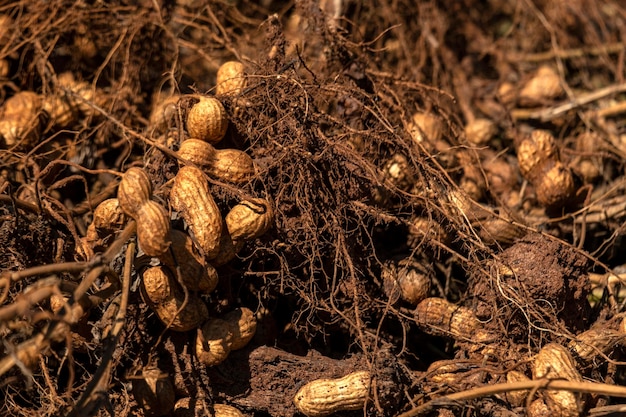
(437, 316)
(187, 260)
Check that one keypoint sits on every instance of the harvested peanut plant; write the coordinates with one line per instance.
(312, 208)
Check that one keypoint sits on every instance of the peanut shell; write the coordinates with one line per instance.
(164, 296)
(440, 317)
(243, 326)
(213, 342)
(191, 197)
(324, 397)
(198, 152)
(153, 229)
(230, 78)
(479, 132)
(207, 120)
(196, 274)
(154, 392)
(249, 219)
(134, 190)
(232, 165)
(555, 362)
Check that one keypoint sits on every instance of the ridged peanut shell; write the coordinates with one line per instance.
(232, 165)
(213, 342)
(479, 132)
(534, 151)
(108, 218)
(231, 78)
(196, 274)
(20, 124)
(249, 219)
(593, 343)
(440, 317)
(242, 323)
(516, 398)
(323, 397)
(157, 285)
(425, 127)
(555, 362)
(544, 85)
(188, 407)
(207, 120)
(191, 197)
(198, 152)
(134, 190)
(153, 228)
(407, 279)
(398, 172)
(556, 186)
(164, 296)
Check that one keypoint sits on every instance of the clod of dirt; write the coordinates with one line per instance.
(276, 375)
(536, 284)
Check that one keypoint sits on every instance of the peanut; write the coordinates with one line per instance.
(544, 85)
(213, 342)
(20, 122)
(188, 407)
(230, 165)
(408, 279)
(426, 127)
(230, 78)
(516, 398)
(398, 172)
(534, 150)
(153, 223)
(592, 344)
(196, 274)
(479, 132)
(207, 120)
(218, 337)
(440, 317)
(589, 164)
(249, 219)
(323, 397)
(164, 295)
(242, 322)
(108, 218)
(197, 152)
(134, 190)
(554, 362)
(539, 163)
(191, 197)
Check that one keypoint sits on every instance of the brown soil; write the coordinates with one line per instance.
(361, 119)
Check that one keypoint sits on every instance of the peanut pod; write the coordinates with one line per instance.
(323, 397)
(196, 274)
(231, 165)
(555, 362)
(249, 219)
(164, 295)
(191, 197)
(153, 221)
(440, 317)
(207, 119)
(218, 337)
